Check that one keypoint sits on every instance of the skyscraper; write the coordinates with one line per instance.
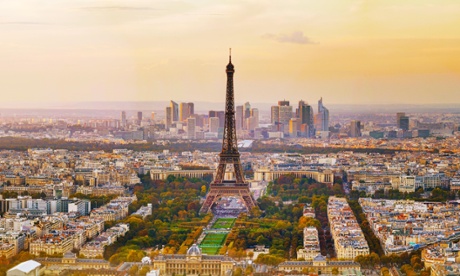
(221, 116)
(191, 128)
(293, 127)
(218, 114)
(355, 129)
(275, 116)
(200, 119)
(239, 117)
(139, 118)
(185, 111)
(246, 114)
(404, 123)
(322, 123)
(168, 120)
(305, 113)
(255, 116)
(174, 111)
(399, 115)
(123, 119)
(283, 103)
(214, 124)
(285, 115)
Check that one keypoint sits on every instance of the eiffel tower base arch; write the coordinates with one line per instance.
(216, 193)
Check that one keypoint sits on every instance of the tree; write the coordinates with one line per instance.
(133, 270)
(170, 178)
(249, 269)
(256, 212)
(238, 272)
(385, 271)
(144, 270)
(203, 190)
(308, 221)
(374, 259)
(407, 268)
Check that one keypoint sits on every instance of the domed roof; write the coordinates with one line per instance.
(146, 260)
(194, 250)
(319, 258)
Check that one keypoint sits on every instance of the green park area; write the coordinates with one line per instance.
(212, 243)
(224, 223)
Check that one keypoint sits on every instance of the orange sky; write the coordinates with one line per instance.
(380, 51)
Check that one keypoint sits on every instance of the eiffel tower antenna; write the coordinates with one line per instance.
(229, 156)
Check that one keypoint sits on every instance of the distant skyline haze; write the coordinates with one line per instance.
(348, 52)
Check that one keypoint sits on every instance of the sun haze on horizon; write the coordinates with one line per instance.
(351, 52)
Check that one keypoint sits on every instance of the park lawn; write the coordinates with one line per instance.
(210, 250)
(212, 243)
(224, 223)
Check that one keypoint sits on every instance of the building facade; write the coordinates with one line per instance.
(193, 263)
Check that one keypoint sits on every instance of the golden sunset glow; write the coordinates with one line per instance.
(138, 50)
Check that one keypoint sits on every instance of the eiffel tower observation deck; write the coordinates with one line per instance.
(229, 156)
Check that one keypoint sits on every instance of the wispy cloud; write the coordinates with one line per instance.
(23, 23)
(294, 37)
(120, 8)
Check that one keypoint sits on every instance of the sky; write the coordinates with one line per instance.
(348, 52)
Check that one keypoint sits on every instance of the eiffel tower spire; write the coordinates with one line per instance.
(229, 156)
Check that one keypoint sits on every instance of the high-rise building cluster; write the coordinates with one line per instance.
(181, 121)
(178, 113)
(302, 122)
(246, 118)
(181, 118)
(282, 121)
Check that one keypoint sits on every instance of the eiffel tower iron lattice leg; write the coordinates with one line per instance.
(229, 156)
(216, 193)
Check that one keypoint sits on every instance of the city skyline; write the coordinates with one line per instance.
(350, 52)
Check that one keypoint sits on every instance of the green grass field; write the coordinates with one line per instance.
(212, 243)
(224, 223)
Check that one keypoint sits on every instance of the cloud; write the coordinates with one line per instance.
(120, 8)
(23, 23)
(294, 37)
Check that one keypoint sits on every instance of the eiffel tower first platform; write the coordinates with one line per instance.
(229, 156)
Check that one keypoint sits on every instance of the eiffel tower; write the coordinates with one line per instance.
(229, 156)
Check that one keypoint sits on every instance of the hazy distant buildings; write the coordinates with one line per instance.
(174, 111)
(218, 114)
(404, 123)
(123, 119)
(294, 127)
(214, 124)
(185, 111)
(191, 128)
(306, 119)
(322, 118)
(246, 114)
(399, 115)
(252, 122)
(275, 116)
(239, 117)
(139, 118)
(285, 115)
(355, 129)
(168, 119)
(304, 126)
